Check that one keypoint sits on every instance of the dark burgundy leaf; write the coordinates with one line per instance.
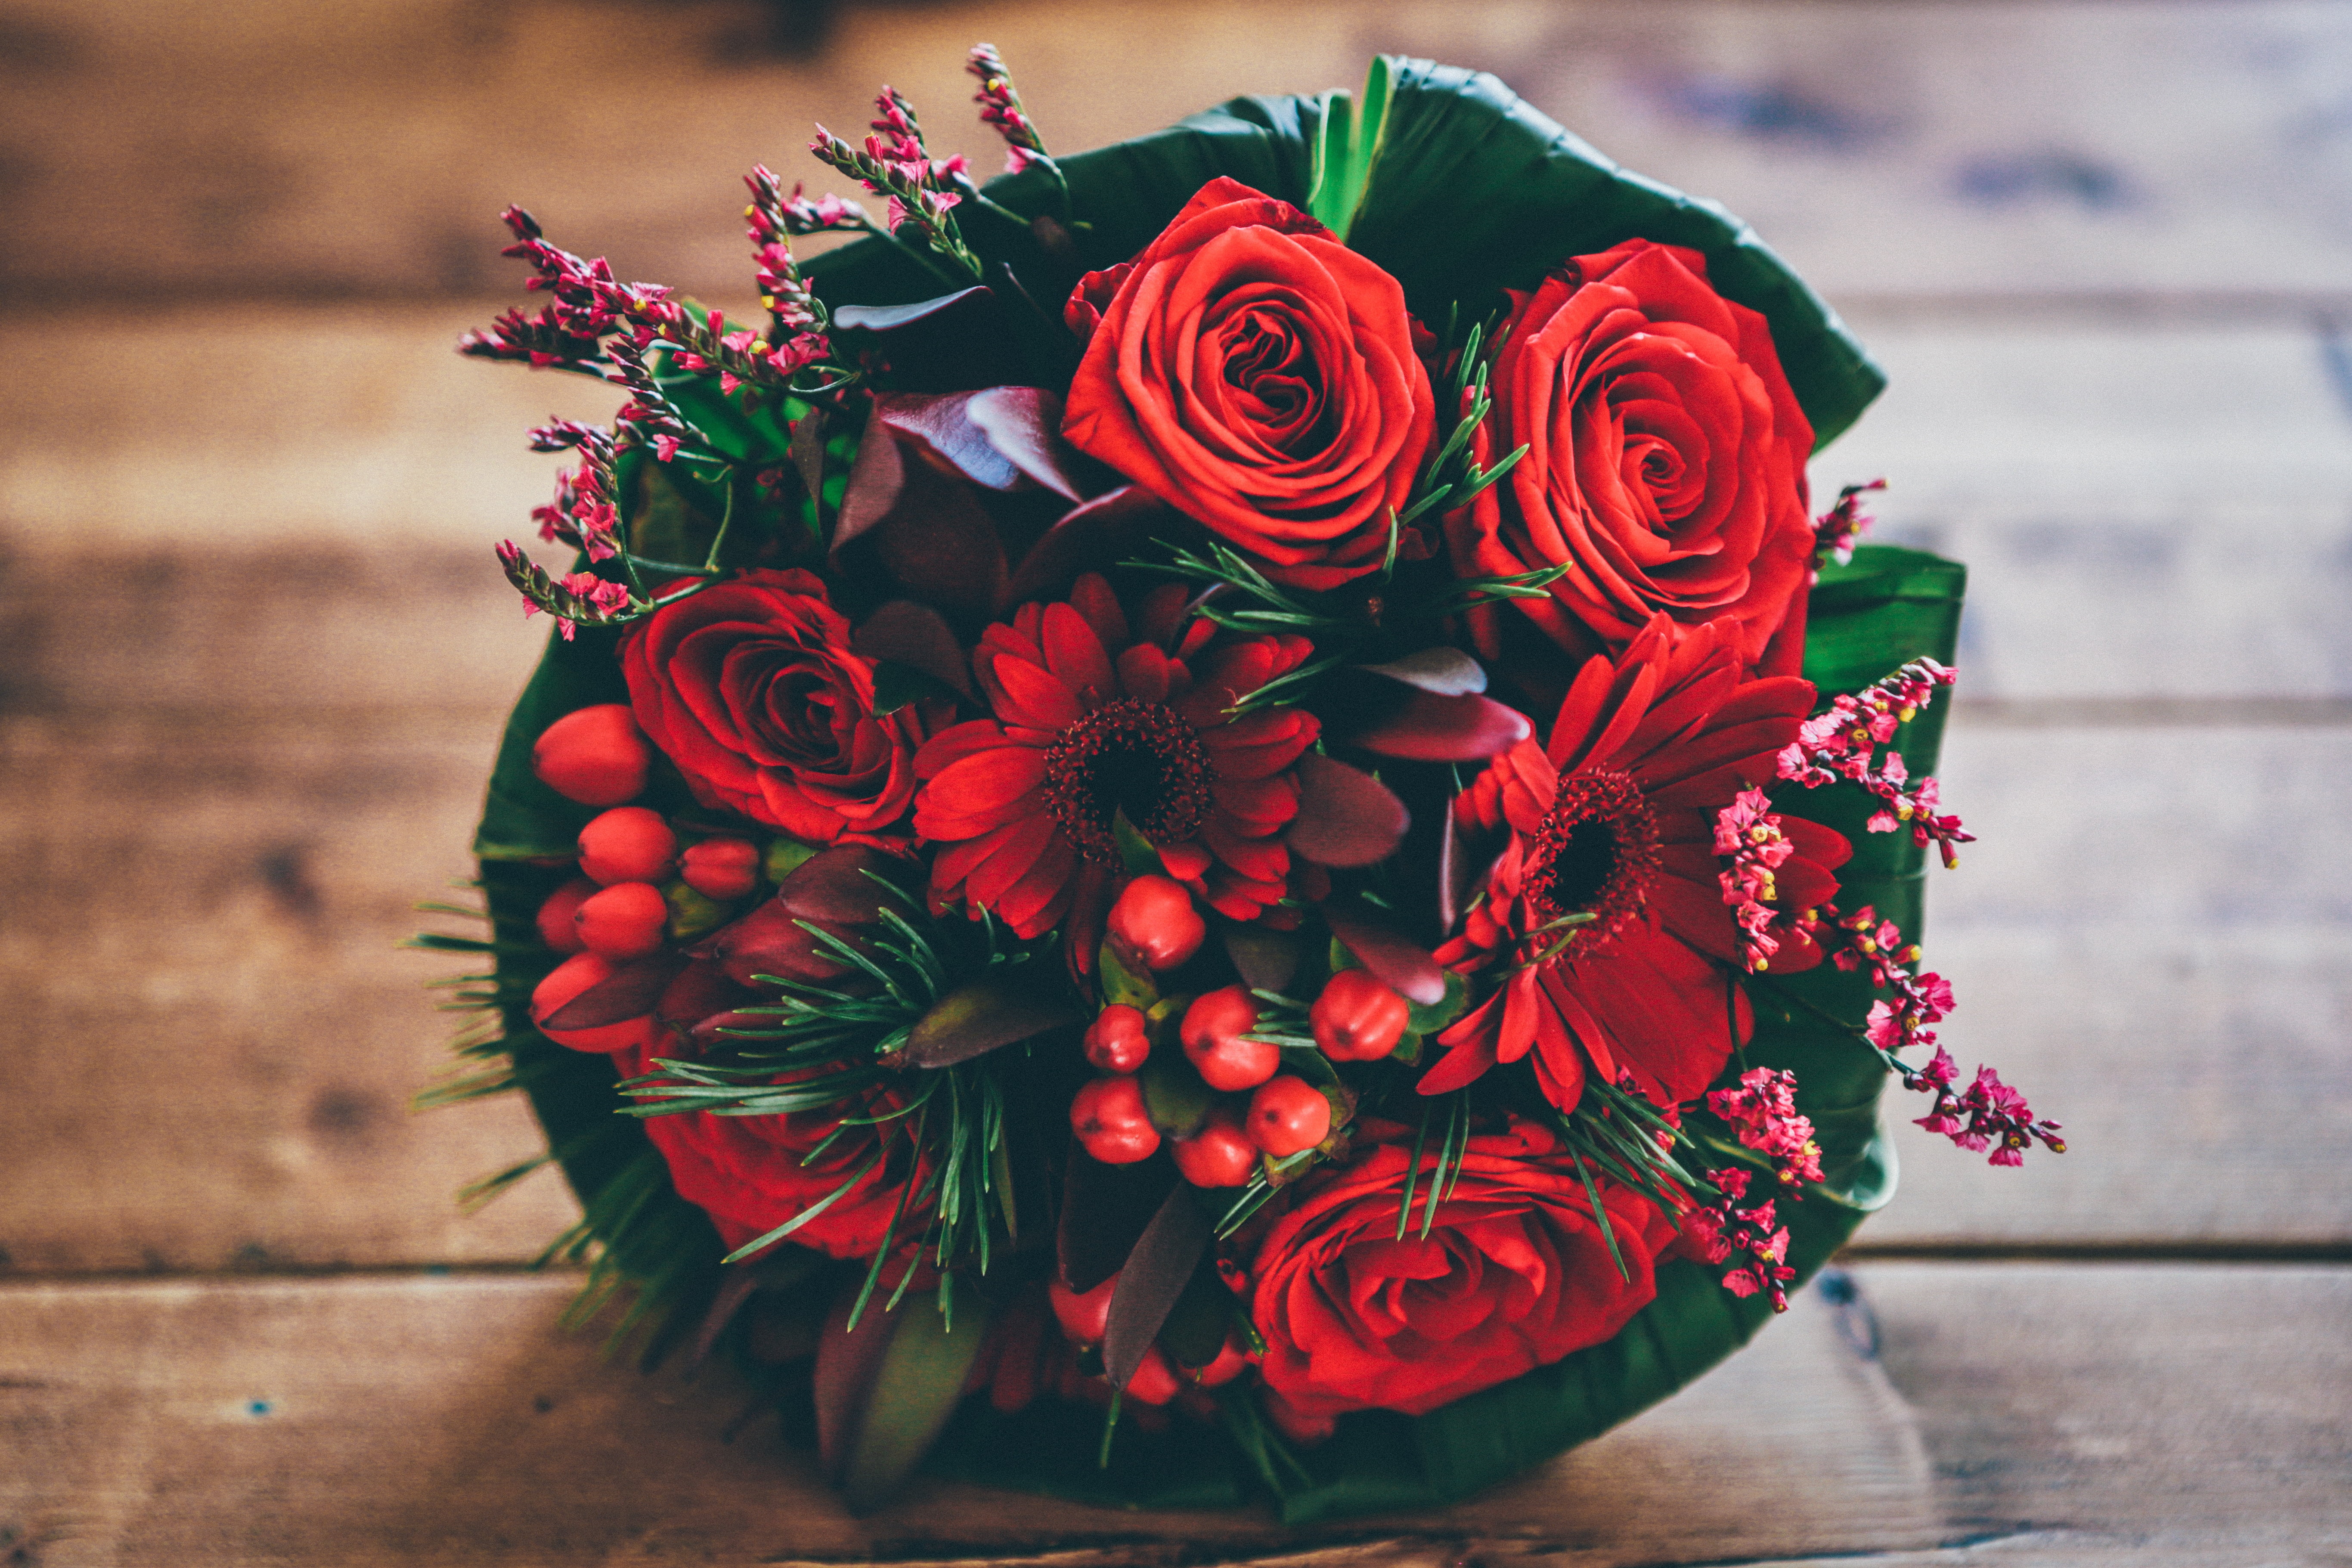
(942, 423)
(1266, 958)
(1024, 423)
(1157, 1271)
(940, 545)
(1427, 727)
(885, 1390)
(1396, 963)
(1092, 536)
(737, 1285)
(702, 989)
(905, 632)
(974, 1019)
(1464, 857)
(630, 992)
(1104, 1209)
(1345, 818)
(876, 479)
(807, 450)
(896, 318)
(1447, 672)
(830, 889)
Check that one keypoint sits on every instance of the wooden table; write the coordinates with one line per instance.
(257, 651)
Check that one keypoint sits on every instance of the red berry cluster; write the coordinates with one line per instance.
(638, 886)
(1154, 925)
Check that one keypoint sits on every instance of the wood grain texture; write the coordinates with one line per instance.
(2144, 1413)
(211, 1039)
(421, 1421)
(1944, 147)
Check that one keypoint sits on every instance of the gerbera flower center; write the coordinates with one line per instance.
(1596, 852)
(1140, 758)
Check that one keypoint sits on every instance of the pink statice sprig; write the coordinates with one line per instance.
(1748, 839)
(1760, 1109)
(1837, 531)
(575, 599)
(922, 190)
(1843, 742)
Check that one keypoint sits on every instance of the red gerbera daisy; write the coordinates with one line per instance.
(1615, 820)
(1090, 722)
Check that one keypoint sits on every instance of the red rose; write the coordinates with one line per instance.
(751, 689)
(1513, 1275)
(1666, 460)
(1256, 374)
(751, 1173)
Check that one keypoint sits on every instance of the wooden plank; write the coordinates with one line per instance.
(2147, 510)
(2011, 1414)
(212, 1041)
(414, 1421)
(2148, 941)
(1948, 146)
(2154, 1414)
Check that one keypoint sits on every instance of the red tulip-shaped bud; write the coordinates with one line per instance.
(1085, 1318)
(1213, 1033)
(1115, 1041)
(1219, 1154)
(568, 980)
(623, 920)
(1231, 1363)
(630, 844)
(1154, 918)
(1154, 1381)
(1287, 1114)
(555, 927)
(1112, 1123)
(1356, 1018)
(722, 868)
(597, 756)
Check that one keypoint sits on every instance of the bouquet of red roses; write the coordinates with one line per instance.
(1213, 817)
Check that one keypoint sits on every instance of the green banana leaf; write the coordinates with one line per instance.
(1472, 192)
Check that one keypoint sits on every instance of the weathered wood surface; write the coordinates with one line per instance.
(1945, 147)
(2035, 1414)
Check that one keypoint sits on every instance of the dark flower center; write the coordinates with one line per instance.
(1135, 757)
(1595, 853)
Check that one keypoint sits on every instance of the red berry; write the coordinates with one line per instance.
(1115, 1041)
(569, 979)
(1155, 920)
(1356, 1018)
(1111, 1121)
(597, 756)
(1212, 1032)
(1218, 1154)
(722, 868)
(555, 927)
(1086, 1319)
(630, 844)
(1287, 1114)
(1231, 1363)
(623, 920)
(1154, 1381)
